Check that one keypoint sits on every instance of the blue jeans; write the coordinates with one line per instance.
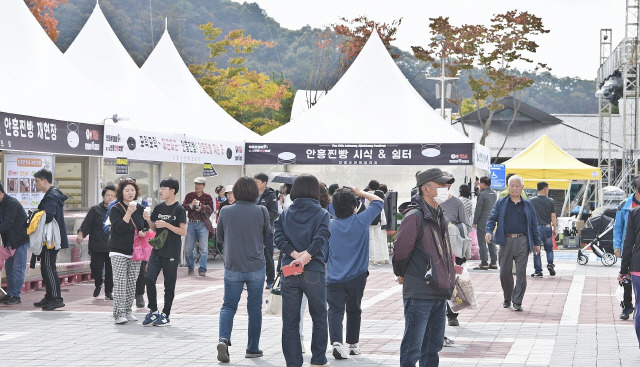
(546, 235)
(16, 268)
(197, 231)
(424, 321)
(233, 283)
(313, 285)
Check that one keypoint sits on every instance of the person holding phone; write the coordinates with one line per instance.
(630, 266)
(301, 233)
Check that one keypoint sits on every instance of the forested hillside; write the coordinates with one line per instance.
(295, 50)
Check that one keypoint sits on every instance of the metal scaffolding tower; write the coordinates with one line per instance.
(624, 60)
(604, 117)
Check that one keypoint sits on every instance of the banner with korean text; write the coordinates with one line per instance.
(360, 154)
(39, 134)
(141, 145)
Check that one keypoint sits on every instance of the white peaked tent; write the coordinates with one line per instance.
(166, 69)
(35, 78)
(374, 100)
(98, 53)
(157, 128)
(373, 103)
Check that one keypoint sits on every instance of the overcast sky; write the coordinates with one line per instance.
(570, 49)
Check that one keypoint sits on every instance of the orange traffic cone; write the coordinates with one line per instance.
(555, 245)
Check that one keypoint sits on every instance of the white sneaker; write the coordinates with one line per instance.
(354, 349)
(339, 352)
(131, 318)
(121, 320)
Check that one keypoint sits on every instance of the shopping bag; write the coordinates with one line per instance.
(620, 293)
(274, 300)
(463, 295)
(475, 249)
(141, 247)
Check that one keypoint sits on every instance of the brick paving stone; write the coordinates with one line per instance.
(553, 330)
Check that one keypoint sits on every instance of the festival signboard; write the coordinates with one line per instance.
(38, 134)
(142, 145)
(360, 154)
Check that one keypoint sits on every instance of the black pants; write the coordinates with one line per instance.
(268, 256)
(347, 294)
(628, 290)
(450, 313)
(50, 274)
(140, 283)
(100, 261)
(169, 269)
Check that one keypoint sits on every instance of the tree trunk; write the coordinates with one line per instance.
(506, 136)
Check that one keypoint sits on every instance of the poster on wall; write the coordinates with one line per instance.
(209, 171)
(19, 181)
(122, 166)
(162, 147)
(38, 134)
(360, 154)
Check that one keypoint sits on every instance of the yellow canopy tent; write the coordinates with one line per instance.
(545, 161)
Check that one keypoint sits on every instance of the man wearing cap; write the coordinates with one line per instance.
(426, 271)
(199, 206)
(517, 235)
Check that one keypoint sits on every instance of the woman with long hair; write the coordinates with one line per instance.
(127, 221)
(301, 233)
(241, 228)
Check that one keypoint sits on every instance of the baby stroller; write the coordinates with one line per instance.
(607, 258)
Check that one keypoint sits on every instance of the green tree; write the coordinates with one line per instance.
(493, 50)
(235, 88)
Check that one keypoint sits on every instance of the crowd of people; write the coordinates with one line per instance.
(327, 238)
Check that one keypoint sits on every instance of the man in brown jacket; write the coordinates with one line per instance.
(424, 264)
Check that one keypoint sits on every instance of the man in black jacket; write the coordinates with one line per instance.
(14, 235)
(52, 203)
(267, 197)
(98, 243)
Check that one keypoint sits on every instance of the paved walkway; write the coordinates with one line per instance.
(568, 320)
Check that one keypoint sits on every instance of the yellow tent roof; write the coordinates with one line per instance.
(544, 160)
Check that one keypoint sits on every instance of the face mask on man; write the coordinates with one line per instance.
(443, 195)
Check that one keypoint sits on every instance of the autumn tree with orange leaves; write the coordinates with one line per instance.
(357, 31)
(493, 49)
(353, 33)
(240, 91)
(43, 11)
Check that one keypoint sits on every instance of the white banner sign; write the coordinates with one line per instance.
(159, 147)
(19, 181)
(482, 157)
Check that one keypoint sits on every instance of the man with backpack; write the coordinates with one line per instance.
(14, 236)
(423, 261)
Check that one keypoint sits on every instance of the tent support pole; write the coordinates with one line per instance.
(183, 181)
(566, 200)
(584, 198)
(599, 194)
